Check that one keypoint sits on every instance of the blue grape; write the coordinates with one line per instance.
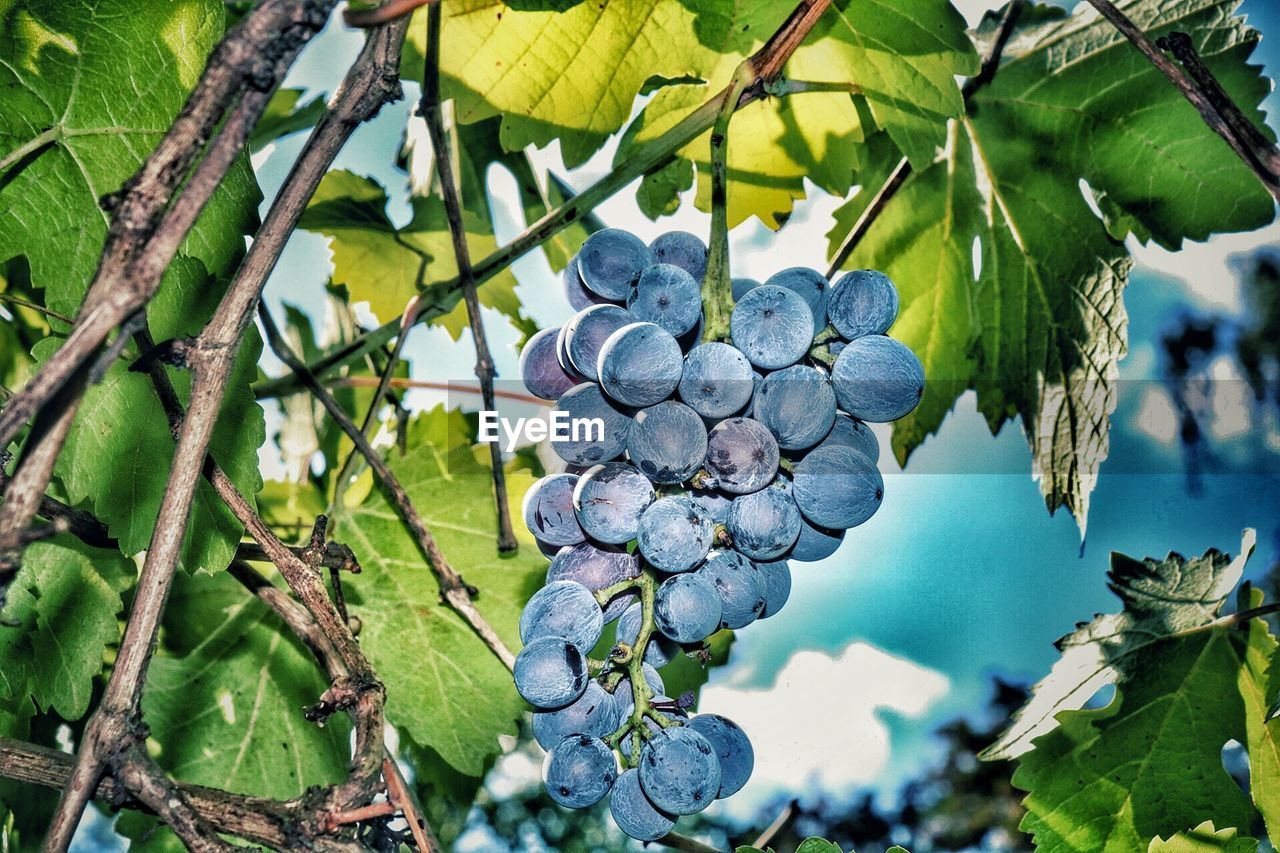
(811, 286)
(739, 585)
(687, 608)
(585, 333)
(659, 652)
(548, 511)
(667, 442)
(574, 289)
(742, 455)
(594, 713)
(610, 260)
(733, 749)
(640, 364)
(713, 504)
(863, 302)
(764, 524)
(772, 326)
(797, 404)
(597, 568)
(674, 535)
(850, 432)
(584, 403)
(679, 771)
(682, 249)
(776, 575)
(717, 380)
(540, 368)
(878, 379)
(564, 609)
(579, 771)
(814, 543)
(609, 500)
(668, 297)
(741, 286)
(837, 487)
(550, 672)
(632, 811)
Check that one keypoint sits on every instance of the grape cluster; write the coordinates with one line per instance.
(717, 462)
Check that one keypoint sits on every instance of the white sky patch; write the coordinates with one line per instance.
(1156, 416)
(227, 705)
(1207, 267)
(818, 727)
(1231, 401)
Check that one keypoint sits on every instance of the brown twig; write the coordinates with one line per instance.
(367, 381)
(1214, 105)
(431, 111)
(676, 841)
(373, 16)
(986, 73)
(779, 823)
(337, 557)
(401, 794)
(141, 777)
(453, 588)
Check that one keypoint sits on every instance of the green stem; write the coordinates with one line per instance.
(641, 693)
(604, 596)
(717, 287)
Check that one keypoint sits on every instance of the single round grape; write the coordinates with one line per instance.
(811, 286)
(668, 297)
(632, 811)
(586, 332)
(659, 652)
(679, 771)
(640, 365)
(738, 584)
(777, 585)
(772, 326)
(764, 524)
(667, 442)
(797, 404)
(564, 609)
(575, 290)
(862, 302)
(597, 568)
(579, 771)
(733, 749)
(742, 455)
(878, 379)
(540, 369)
(550, 672)
(548, 511)
(713, 503)
(687, 608)
(594, 713)
(741, 286)
(682, 249)
(837, 487)
(674, 535)
(850, 432)
(814, 543)
(717, 381)
(583, 405)
(610, 260)
(609, 500)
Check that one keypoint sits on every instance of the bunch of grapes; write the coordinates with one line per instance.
(717, 463)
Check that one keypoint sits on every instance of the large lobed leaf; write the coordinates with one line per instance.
(70, 134)
(1011, 283)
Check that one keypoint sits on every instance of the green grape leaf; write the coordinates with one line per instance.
(1160, 598)
(1204, 839)
(1259, 678)
(225, 694)
(659, 190)
(285, 115)
(1149, 763)
(446, 690)
(1010, 282)
(386, 265)
(71, 138)
(60, 618)
(809, 845)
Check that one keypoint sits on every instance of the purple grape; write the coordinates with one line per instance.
(742, 455)
(610, 260)
(772, 326)
(878, 379)
(667, 296)
(582, 406)
(863, 302)
(548, 511)
(811, 286)
(667, 442)
(586, 332)
(682, 249)
(540, 368)
(597, 567)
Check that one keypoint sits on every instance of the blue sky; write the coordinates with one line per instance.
(959, 576)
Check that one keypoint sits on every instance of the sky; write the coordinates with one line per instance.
(962, 574)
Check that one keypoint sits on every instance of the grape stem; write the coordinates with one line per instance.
(717, 287)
